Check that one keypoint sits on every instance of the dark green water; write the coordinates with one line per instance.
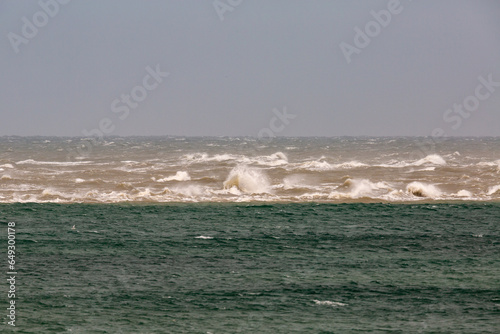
(427, 268)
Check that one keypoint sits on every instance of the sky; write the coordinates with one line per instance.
(250, 68)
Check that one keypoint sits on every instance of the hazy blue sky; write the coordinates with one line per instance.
(227, 75)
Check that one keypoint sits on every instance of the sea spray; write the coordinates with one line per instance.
(248, 180)
(421, 189)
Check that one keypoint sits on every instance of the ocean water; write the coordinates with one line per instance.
(238, 235)
(256, 267)
(164, 169)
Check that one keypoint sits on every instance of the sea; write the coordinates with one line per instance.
(244, 235)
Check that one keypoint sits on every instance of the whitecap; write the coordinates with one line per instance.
(55, 163)
(427, 169)
(316, 165)
(350, 164)
(464, 193)
(420, 189)
(275, 159)
(294, 181)
(433, 159)
(179, 176)
(7, 166)
(53, 192)
(358, 188)
(494, 190)
(191, 190)
(329, 303)
(248, 180)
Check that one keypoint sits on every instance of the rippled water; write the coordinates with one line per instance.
(261, 268)
(163, 169)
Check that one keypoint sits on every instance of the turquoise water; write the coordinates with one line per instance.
(253, 268)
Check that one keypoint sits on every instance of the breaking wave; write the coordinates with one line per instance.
(360, 188)
(179, 176)
(248, 180)
(494, 190)
(275, 159)
(237, 170)
(420, 189)
(54, 163)
(433, 159)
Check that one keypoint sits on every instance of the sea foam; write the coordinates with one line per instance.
(248, 180)
(494, 190)
(433, 159)
(179, 176)
(328, 303)
(420, 189)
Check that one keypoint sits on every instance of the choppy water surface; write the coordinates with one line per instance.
(68, 170)
(261, 268)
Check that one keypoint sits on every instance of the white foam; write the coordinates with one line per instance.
(294, 181)
(358, 188)
(322, 165)
(464, 193)
(350, 164)
(78, 180)
(433, 159)
(328, 303)
(203, 237)
(179, 176)
(420, 189)
(6, 177)
(275, 159)
(490, 164)
(248, 180)
(53, 192)
(313, 196)
(482, 163)
(222, 157)
(191, 190)
(316, 165)
(7, 166)
(427, 169)
(145, 193)
(204, 157)
(494, 190)
(55, 163)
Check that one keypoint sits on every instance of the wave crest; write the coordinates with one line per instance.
(179, 176)
(420, 189)
(248, 180)
(433, 159)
